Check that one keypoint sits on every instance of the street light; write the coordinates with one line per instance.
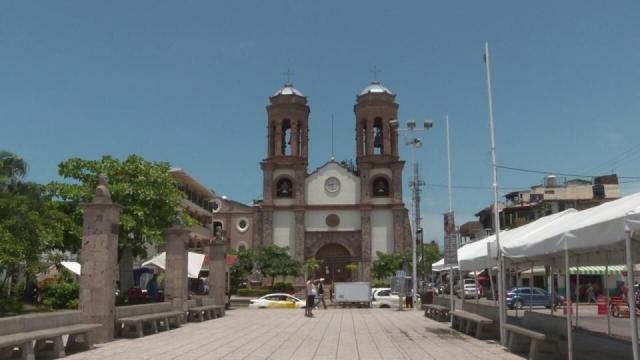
(415, 184)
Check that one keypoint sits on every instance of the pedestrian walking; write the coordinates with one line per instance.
(590, 294)
(321, 293)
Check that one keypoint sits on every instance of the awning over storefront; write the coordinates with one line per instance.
(582, 270)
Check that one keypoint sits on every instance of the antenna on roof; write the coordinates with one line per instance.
(332, 157)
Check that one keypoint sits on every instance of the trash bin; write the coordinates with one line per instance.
(427, 297)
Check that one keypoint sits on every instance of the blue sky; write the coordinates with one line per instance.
(187, 82)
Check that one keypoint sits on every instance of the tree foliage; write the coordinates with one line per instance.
(387, 264)
(31, 224)
(274, 261)
(241, 269)
(12, 170)
(147, 192)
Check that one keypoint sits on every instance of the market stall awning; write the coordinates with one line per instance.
(582, 270)
(194, 263)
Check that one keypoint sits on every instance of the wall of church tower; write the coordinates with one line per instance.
(381, 231)
(284, 228)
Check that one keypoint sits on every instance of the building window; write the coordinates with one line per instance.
(216, 206)
(284, 188)
(380, 187)
(598, 192)
(242, 224)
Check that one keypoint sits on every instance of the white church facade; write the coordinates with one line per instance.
(339, 213)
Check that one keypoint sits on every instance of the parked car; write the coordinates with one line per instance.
(277, 301)
(469, 291)
(383, 298)
(517, 298)
(461, 283)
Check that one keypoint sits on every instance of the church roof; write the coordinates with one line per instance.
(288, 89)
(375, 88)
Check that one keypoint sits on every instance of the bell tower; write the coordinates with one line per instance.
(285, 167)
(380, 169)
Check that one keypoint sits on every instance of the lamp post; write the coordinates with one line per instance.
(415, 184)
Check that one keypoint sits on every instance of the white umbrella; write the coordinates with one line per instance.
(194, 263)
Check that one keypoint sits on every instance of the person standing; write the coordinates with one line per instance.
(321, 293)
(311, 298)
(152, 288)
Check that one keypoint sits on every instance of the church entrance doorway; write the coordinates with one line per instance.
(334, 268)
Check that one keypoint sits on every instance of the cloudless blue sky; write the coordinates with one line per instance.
(187, 82)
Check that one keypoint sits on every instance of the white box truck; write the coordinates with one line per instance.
(353, 293)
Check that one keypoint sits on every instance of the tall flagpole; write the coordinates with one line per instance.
(451, 299)
(496, 213)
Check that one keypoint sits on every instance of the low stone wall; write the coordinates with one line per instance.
(32, 322)
(488, 311)
(546, 323)
(442, 301)
(142, 309)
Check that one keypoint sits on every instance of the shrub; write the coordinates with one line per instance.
(381, 283)
(253, 292)
(283, 288)
(10, 306)
(61, 295)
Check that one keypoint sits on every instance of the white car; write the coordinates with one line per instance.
(383, 298)
(277, 301)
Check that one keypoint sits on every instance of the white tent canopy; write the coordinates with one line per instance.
(440, 266)
(475, 256)
(194, 263)
(72, 266)
(597, 235)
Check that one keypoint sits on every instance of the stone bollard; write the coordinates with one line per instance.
(176, 276)
(217, 268)
(99, 261)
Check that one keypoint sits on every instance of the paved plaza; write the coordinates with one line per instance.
(286, 334)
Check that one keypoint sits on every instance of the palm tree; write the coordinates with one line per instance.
(12, 168)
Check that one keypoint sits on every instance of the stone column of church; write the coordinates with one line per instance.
(267, 226)
(365, 219)
(386, 138)
(305, 141)
(396, 182)
(294, 138)
(270, 142)
(369, 137)
(394, 142)
(398, 230)
(278, 138)
(99, 262)
(358, 138)
(176, 275)
(298, 248)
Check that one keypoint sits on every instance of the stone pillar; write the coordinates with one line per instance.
(386, 138)
(369, 137)
(99, 260)
(298, 247)
(278, 138)
(394, 142)
(294, 138)
(398, 231)
(396, 182)
(176, 280)
(358, 138)
(365, 219)
(267, 226)
(217, 271)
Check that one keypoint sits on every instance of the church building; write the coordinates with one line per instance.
(339, 213)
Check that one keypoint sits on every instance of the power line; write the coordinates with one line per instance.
(547, 172)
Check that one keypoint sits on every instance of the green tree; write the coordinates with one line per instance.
(147, 192)
(310, 266)
(387, 264)
(241, 269)
(274, 261)
(12, 170)
(31, 224)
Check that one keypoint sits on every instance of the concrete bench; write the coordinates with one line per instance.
(205, 309)
(465, 321)
(522, 340)
(135, 320)
(18, 334)
(436, 312)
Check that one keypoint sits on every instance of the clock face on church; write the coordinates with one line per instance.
(332, 185)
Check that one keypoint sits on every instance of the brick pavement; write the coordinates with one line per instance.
(287, 334)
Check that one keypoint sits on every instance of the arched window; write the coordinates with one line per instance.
(286, 137)
(284, 188)
(378, 140)
(380, 187)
